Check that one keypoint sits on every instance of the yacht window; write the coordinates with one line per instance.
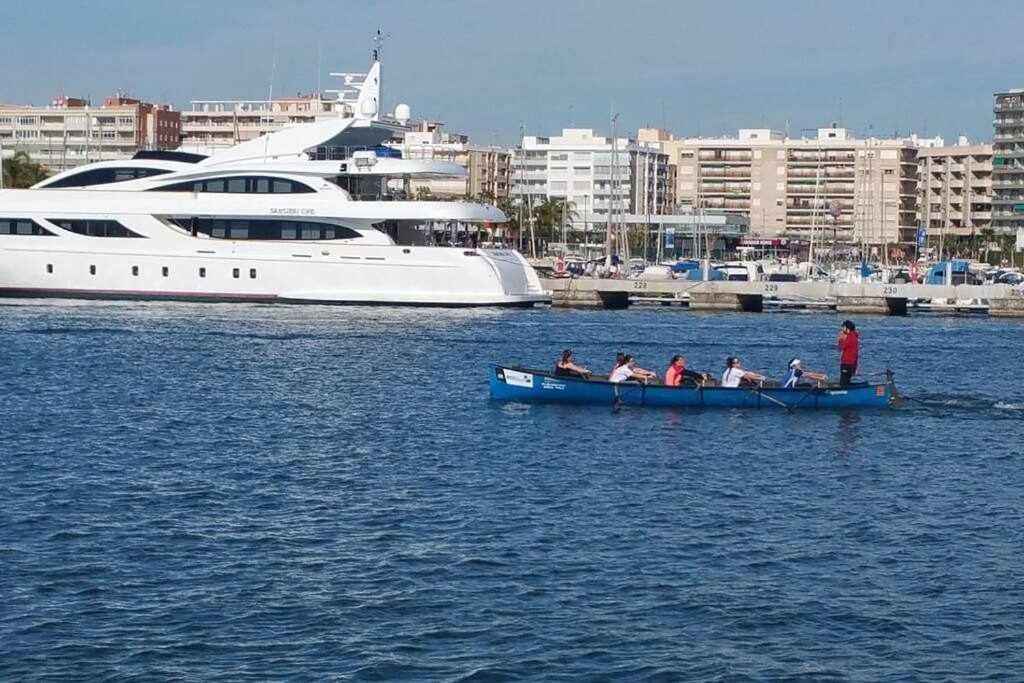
(234, 273)
(265, 229)
(22, 226)
(93, 228)
(252, 273)
(166, 271)
(135, 270)
(202, 272)
(102, 176)
(49, 267)
(92, 270)
(239, 185)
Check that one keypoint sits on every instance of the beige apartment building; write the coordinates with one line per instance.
(71, 131)
(955, 189)
(224, 123)
(832, 185)
(487, 167)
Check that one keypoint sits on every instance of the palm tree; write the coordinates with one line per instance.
(548, 216)
(511, 208)
(21, 172)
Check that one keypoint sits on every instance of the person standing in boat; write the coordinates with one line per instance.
(734, 374)
(848, 343)
(566, 366)
(795, 373)
(677, 373)
(627, 371)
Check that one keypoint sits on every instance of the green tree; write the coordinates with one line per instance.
(511, 208)
(548, 217)
(21, 172)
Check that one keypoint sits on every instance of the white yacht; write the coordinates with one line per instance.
(267, 220)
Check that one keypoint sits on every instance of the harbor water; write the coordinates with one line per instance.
(206, 492)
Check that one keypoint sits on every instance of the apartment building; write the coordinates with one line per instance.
(955, 188)
(487, 167)
(70, 131)
(579, 165)
(831, 185)
(1008, 162)
(224, 123)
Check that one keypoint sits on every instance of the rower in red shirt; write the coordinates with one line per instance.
(677, 372)
(848, 344)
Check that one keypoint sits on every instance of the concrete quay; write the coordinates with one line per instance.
(869, 298)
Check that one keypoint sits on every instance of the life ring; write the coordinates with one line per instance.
(560, 266)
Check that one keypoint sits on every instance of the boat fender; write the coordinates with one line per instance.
(560, 265)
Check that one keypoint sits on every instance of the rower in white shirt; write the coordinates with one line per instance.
(734, 374)
(626, 371)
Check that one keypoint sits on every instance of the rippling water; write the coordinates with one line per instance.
(229, 492)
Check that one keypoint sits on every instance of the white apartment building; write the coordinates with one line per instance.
(831, 185)
(955, 188)
(578, 165)
(71, 131)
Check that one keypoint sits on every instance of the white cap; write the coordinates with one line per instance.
(795, 362)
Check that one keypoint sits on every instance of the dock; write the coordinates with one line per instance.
(754, 297)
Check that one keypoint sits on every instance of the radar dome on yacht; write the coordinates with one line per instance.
(403, 112)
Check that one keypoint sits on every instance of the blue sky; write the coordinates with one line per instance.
(488, 67)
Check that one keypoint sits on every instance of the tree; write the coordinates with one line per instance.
(21, 172)
(548, 216)
(511, 208)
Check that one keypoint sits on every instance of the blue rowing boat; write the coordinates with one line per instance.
(538, 386)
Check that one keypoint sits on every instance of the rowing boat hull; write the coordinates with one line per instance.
(532, 386)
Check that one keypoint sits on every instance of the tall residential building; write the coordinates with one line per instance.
(487, 167)
(213, 124)
(832, 184)
(71, 131)
(224, 123)
(578, 165)
(1008, 161)
(955, 188)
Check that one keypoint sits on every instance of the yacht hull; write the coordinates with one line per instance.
(317, 273)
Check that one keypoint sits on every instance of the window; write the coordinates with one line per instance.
(22, 226)
(135, 271)
(166, 271)
(49, 268)
(102, 176)
(92, 270)
(94, 228)
(202, 272)
(239, 185)
(252, 273)
(234, 273)
(264, 229)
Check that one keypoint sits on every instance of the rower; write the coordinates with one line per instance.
(848, 343)
(626, 371)
(677, 373)
(734, 374)
(795, 373)
(566, 366)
